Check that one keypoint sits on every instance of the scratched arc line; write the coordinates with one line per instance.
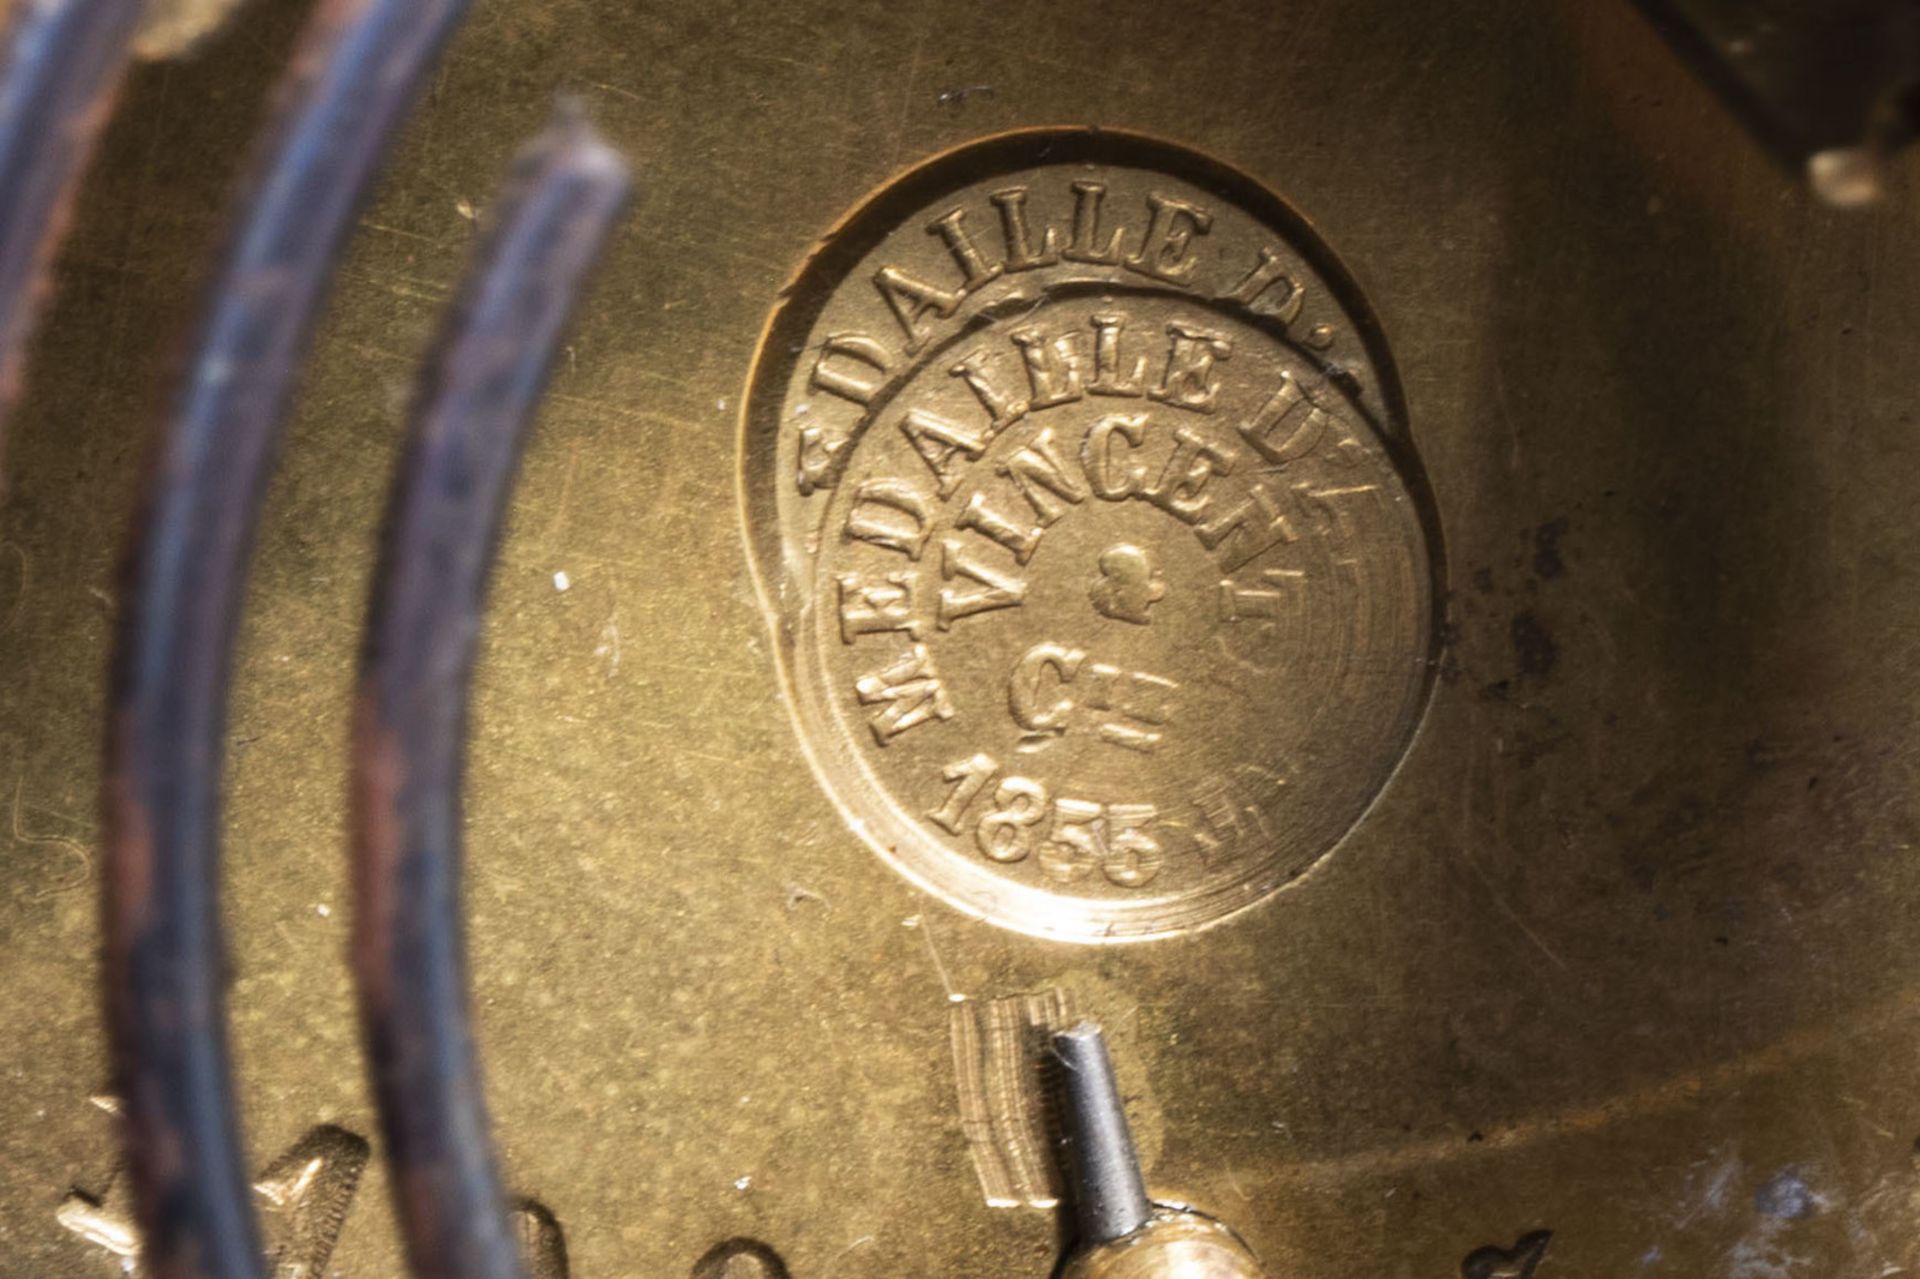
(1899, 1010)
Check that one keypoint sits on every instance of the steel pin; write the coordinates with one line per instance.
(1110, 1198)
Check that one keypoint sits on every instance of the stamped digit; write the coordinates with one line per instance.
(1133, 856)
(1074, 847)
(1007, 833)
(970, 777)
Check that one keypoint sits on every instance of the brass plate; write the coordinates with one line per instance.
(1072, 462)
(1625, 952)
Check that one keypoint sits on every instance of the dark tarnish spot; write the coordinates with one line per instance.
(1517, 1262)
(1786, 1197)
(1547, 563)
(740, 1259)
(1533, 647)
(543, 1245)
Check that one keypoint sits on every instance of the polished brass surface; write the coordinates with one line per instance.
(1614, 976)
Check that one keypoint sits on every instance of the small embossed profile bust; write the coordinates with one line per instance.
(1126, 584)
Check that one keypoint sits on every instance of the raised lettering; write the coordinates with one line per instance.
(1308, 432)
(1053, 367)
(869, 608)
(1270, 624)
(970, 777)
(1133, 856)
(1086, 246)
(1339, 507)
(951, 227)
(1166, 252)
(1187, 381)
(1267, 273)
(1051, 682)
(937, 441)
(890, 513)
(1135, 696)
(909, 693)
(1025, 701)
(1012, 203)
(1107, 377)
(1007, 833)
(1284, 593)
(1107, 480)
(814, 468)
(1074, 846)
(1049, 487)
(977, 515)
(912, 299)
(1220, 831)
(1002, 408)
(855, 348)
(1248, 530)
(992, 590)
(1180, 490)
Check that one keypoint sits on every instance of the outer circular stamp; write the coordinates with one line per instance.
(1079, 494)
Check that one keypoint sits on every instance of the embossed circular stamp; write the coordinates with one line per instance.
(1078, 488)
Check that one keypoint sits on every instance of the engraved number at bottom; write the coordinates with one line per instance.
(1072, 838)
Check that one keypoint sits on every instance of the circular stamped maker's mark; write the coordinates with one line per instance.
(1077, 484)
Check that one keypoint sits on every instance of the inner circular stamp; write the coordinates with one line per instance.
(1078, 488)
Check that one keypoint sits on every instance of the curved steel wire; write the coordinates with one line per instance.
(60, 63)
(354, 75)
(474, 404)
